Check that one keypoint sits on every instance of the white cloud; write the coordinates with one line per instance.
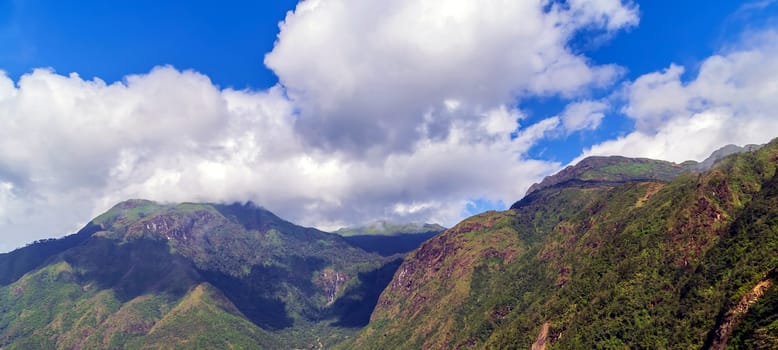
(6, 197)
(732, 100)
(537, 131)
(365, 72)
(751, 6)
(583, 115)
(384, 109)
(71, 148)
(500, 120)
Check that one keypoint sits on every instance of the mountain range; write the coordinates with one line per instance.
(609, 253)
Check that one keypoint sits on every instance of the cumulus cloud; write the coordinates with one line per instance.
(731, 100)
(70, 148)
(583, 115)
(500, 120)
(385, 109)
(364, 73)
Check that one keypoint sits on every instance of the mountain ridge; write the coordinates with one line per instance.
(619, 169)
(633, 263)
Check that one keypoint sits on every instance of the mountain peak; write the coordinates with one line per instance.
(389, 238)
(133, 203)
(722, 153)
(612, 169)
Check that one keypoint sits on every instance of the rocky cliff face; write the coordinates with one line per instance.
(331, 283)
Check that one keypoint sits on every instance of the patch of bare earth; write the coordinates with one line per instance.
(734, 314)
(540, 342)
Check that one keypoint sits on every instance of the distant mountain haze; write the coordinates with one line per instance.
(389, 238)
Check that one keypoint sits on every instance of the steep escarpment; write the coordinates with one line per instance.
(606, 261)
(437, 278)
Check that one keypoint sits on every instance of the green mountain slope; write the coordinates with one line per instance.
(603, 256)
(21, 261)
(147, 275)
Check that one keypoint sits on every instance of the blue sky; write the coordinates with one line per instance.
(353, 111)
(112, 39)
(681, 32)
(228, 42)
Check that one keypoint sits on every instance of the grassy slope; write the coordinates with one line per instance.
(205, 319)
(640, 265)
(87, 318)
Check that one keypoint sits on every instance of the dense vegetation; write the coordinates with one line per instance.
(597, 260)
